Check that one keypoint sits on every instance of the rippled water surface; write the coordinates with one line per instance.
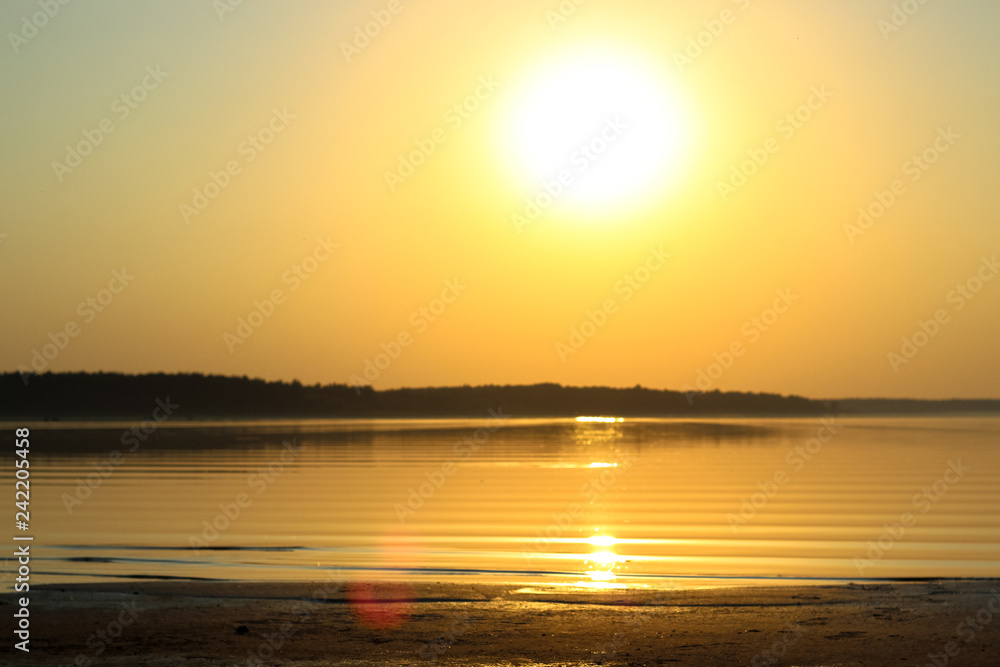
(608, 503)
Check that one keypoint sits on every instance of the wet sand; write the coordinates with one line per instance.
(222, 623)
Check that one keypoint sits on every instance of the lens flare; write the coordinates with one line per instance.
(385, 605)
(380, 605)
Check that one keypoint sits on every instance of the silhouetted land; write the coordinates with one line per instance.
(912, 406)
(103, 395)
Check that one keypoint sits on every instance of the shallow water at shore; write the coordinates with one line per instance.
(655, 502)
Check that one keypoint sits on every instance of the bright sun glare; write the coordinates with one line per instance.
(610, 126)
(602, 541)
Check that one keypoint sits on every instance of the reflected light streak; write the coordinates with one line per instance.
(598, 584)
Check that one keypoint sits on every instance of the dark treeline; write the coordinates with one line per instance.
(101, 395)
(916, 406)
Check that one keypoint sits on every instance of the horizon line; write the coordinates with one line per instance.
(476, 386)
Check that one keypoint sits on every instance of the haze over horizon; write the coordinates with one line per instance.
(627, 194)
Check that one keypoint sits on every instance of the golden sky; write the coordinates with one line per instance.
(602, 193)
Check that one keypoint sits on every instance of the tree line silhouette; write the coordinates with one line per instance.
(104, 395)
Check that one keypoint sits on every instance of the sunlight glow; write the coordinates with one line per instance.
(600, 420)
(608, 123)
(603, 562)
(603, 585)
(604, 558)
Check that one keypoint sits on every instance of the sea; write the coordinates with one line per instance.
(598, 501)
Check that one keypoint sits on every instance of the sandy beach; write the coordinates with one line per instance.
(305, 624)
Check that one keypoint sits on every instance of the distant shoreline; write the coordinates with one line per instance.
(183, 397)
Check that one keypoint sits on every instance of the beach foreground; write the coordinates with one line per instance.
(332, 623)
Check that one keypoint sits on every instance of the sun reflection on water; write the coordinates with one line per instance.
(600, 565)
(602, 541)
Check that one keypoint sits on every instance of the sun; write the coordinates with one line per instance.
(595, 130)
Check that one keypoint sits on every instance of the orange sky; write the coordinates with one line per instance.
(500, 193)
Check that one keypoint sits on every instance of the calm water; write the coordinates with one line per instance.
(626, 502)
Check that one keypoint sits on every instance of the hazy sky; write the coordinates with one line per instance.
(697, 168)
